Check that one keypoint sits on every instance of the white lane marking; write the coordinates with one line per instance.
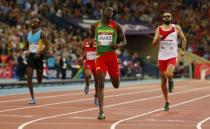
(78, 100)
(201, 122)
(90, 109)
(113, 126)
(64, 102)
(124, 87)
(8, 115)
(80, 93)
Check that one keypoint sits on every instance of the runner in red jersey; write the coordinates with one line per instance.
(167, 36)
(89, 66)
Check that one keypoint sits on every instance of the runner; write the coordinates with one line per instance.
(89, 66)
(37, 47)
(167, 36)
(109, 36)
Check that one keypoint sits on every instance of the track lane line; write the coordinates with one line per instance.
(201, 122)
(113, 126)
(108, 106)
(80, 93)
(86, 99)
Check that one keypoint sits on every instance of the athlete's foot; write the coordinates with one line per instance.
(96, 100)
(166, 106)
(101, 116)
(86, 90)
(170, 85)
(32, 101)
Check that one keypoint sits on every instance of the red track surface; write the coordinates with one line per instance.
(133, 107)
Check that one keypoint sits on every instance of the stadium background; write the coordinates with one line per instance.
(66, 24)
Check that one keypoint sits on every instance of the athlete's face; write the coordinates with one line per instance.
(167, 18)
(108, 12)
(35, 23)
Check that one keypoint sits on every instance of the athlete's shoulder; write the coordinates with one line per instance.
(95, 24)
(177, 26)
(160, 26)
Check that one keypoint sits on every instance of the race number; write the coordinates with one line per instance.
(105, 39)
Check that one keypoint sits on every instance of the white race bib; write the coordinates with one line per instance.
(167, 46)
(105, 39)
(91, 55)
(33, 48)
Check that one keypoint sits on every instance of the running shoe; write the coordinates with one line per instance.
(166, 106)
(101, 116)
(86, 90)
(32, 101)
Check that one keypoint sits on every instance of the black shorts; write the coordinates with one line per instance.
(35, 63)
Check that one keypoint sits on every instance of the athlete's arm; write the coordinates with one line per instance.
(83, 52)
(156, 38)
(121, 41)
(92, 33)
(44, 39)
(26, 47)
(182, 38)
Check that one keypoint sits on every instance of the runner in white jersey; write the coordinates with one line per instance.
(167, 36)
(168, 43)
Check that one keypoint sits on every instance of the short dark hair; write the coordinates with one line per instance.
(166, 11)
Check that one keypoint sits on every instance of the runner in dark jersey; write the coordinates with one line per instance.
(109, 36)
(36, 46)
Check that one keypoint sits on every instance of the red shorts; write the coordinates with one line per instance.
(107, 61)
(163, 64)
(89, 64)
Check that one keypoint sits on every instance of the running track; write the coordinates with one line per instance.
(129, 107)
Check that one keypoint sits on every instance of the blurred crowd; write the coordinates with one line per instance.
(66, 44)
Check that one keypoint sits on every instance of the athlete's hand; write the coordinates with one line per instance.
(182, 53)
(114, 46)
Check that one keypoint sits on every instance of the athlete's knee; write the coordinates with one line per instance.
(169, 75)
(115, 82)
(100, 82)
(116, 85)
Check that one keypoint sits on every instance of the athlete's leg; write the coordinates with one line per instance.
(164, 90)
(163, 86)
(39, 68)
(169, 73)
(115, 82)
(39, 75)
(87, 80)
(113, 70)
(30, 85)
(101, 80)
(96, 86)
(162, 64)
